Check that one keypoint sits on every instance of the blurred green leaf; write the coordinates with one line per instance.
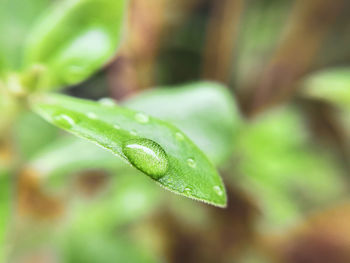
(283, 169)
(205, 111)
(68, 155)
(8, 110)
(127, 198)
(16, 19)
(155, 147)
(103, 248)
(32, 133)
(332, 85)
(96, 232)
(5, 211)
(76, 38)
(98, 229)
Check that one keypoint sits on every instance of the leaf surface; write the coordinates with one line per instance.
(141, 140)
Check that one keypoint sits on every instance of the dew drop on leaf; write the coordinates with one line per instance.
(147, 156)
(64, 121)
(179, 136)
(141, 117)
(218, 190)
(116, 126)
(107, 102)
(91, 115)
(133, 132)
(191, 162)
(187, 190)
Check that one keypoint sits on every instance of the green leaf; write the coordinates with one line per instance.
(332, 85)
(205, 111)
(90, 247)
(68, 155)
(76, 38)
(31, 134)
(16, 19)
(126, 199)
(155, 147)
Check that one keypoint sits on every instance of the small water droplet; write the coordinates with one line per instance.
(141, 117)
(133, 132)
(64, 121)
(187, 190)
(91, 115)
(116, 126)
(179, 136)
(108, 102)
(191, 162)
(147, 156)
(218, 190)
(170, 181)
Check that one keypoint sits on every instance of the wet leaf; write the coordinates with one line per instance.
(179, 164)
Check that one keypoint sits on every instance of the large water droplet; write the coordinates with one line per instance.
(141, 117)
(218, 190)
(191, 162)
(64, 121)
(107, 102)
(147, 156)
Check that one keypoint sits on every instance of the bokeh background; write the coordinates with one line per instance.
(285, 63)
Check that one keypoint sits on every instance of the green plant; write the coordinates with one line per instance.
(177, 146)
(72, 171)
